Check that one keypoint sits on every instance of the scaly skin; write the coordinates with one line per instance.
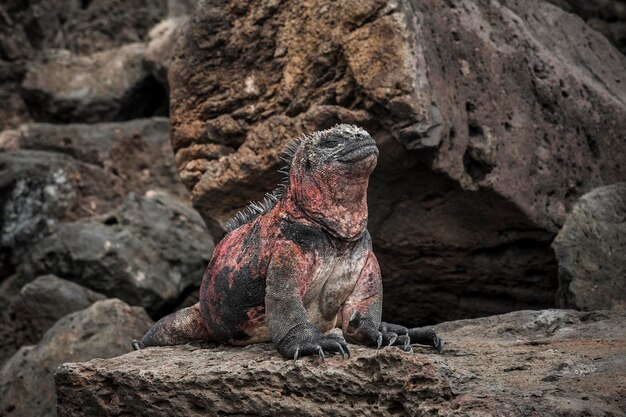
(302, 267)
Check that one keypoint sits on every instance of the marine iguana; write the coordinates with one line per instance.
(298, 264)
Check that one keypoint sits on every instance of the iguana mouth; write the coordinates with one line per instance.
(356, 153)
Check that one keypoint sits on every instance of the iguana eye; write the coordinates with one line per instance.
(330, 143)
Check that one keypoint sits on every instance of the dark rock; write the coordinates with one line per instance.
(37, 307)
(27, 28)
(101, 331)
(492, 366)
(158, 54)
(490, 123)
(591, 251)
(150, 252)
(606, 16)
(79, 26)
(138, 151)
(54, 173)
(105, 86)
(39, 189)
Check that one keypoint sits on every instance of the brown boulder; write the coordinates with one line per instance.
(101, 331)
(490, 122)
(528, 363)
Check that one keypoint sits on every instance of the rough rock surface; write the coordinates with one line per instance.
(101, 331)
(56, 173)
(551, 362)
(591, 251)
(105, 86)
(150, 252)
(27, 28)
(606, 16)
(491, 120)
(137, 151)
(37, 308)
(38, 189)
(158, 54)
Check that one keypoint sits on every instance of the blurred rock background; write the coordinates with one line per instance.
(493, 119)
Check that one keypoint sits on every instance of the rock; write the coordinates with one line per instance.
(101, 331)
(551, 362)
(606, 16)
(29, 28)
(53, 173)
(39, 189)
(83, 28)
(152, 251)
(37, 308)
(490, 123)
(176, 8)
(158, 55)
(105, 86)
(591, 251)
(122, 149)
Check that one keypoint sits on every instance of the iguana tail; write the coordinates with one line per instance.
(176, 329)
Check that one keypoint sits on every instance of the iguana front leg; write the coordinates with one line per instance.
(362, 316)
(361, 313)
(292, 333)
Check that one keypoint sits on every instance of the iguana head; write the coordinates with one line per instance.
(328, 178)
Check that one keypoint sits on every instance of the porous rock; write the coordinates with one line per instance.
(591, 251)
(100, 331)
(550, 362)
(55, 173)
(105, 86)
(490, 122)
(151, 252)
(37, 308)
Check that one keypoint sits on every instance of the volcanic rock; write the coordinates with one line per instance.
(39, 189)
(528, 363)
(137, 151)
(489, 120)
(591, 251)
(54, 173)
(158, 55)
(606, 16)
(150, 252)
(105, 86)
(101, 331)
(37, 308)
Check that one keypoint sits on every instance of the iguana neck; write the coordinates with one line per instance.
(337, 207)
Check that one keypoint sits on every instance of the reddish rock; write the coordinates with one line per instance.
(490, 122)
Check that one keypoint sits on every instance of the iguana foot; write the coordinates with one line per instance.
(426, 336)
(362, 330)
(396, 335)
(135, 344)
(306, 340)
